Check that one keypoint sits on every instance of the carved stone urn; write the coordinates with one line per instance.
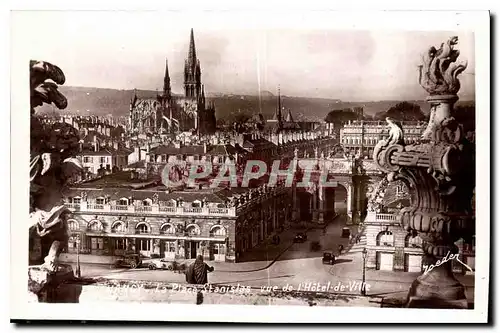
(439, 172)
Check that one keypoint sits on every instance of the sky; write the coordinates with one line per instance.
(127, 50)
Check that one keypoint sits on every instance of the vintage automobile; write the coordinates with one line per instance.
(129, 260)
(346, 232)
(328, 258)
(158, 263)
(300, 238)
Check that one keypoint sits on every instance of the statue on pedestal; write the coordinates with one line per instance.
(440, 175)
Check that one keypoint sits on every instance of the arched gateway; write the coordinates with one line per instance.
(353, 180)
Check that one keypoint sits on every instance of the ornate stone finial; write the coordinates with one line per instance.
(439, 72)
(440, 175)
(439, 77)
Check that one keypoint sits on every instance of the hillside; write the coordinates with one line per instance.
(101, 101)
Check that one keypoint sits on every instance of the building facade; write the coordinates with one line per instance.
(220, 224)
(362, 135)
(389, 246)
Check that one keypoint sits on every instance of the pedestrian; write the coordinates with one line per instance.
(197, 272)
(350, 238)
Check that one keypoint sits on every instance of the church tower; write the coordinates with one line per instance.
(167, 91)
(192, 72)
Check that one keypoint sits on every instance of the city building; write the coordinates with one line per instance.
(168, 113)
(362, 135)
(120, 213)
(389, 246)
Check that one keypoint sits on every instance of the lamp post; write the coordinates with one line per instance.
(78, 272)
(363, 287)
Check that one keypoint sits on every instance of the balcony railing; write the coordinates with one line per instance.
(386, 217)
(382, 217)
(153, 209)
(75, 206)
(118, 207)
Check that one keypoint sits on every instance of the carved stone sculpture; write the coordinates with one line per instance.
(51, 167)
(440, 175)
(52, 164)
(439, 77)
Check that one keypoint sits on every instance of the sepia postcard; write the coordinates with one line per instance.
(218, 166)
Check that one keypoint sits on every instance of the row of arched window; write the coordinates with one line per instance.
(144, 228)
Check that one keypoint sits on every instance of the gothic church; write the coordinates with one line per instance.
(171, 114)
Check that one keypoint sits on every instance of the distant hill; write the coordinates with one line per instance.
(102, 101)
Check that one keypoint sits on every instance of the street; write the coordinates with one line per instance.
(296, 266)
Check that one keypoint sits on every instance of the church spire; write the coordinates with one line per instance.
(192, 72)
(166, 82)
(192, 50)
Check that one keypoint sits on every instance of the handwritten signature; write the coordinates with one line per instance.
(447, 258)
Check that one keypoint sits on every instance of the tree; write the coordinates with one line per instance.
(403, 111)
(341, 116)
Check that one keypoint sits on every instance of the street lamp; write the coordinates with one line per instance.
(363, 285)
(78, 273)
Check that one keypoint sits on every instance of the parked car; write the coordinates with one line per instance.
(158, 263)
(129, 260)
(300, 238)
(346, 232)
(328, 258)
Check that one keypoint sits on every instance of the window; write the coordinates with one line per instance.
(123, 202)
(400, 189)
(193, 230)
(87, 159)
(218, 231)
(196, 203)
(77, 200)
(385, 238)
(97, 243)
(142, 228)
(118, 227)
(99, 201)
(95, 225)
(73, 225)
(219, 249)
(168, 229)
(144, 245)
(413, 241)
(120, 244)
(146, 202)
(72, 244)
(102, 160)
(169, 246)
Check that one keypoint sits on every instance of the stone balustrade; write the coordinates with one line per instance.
(381, 217)
(153, 209)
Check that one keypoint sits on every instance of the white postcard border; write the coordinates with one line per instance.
(476, 21)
